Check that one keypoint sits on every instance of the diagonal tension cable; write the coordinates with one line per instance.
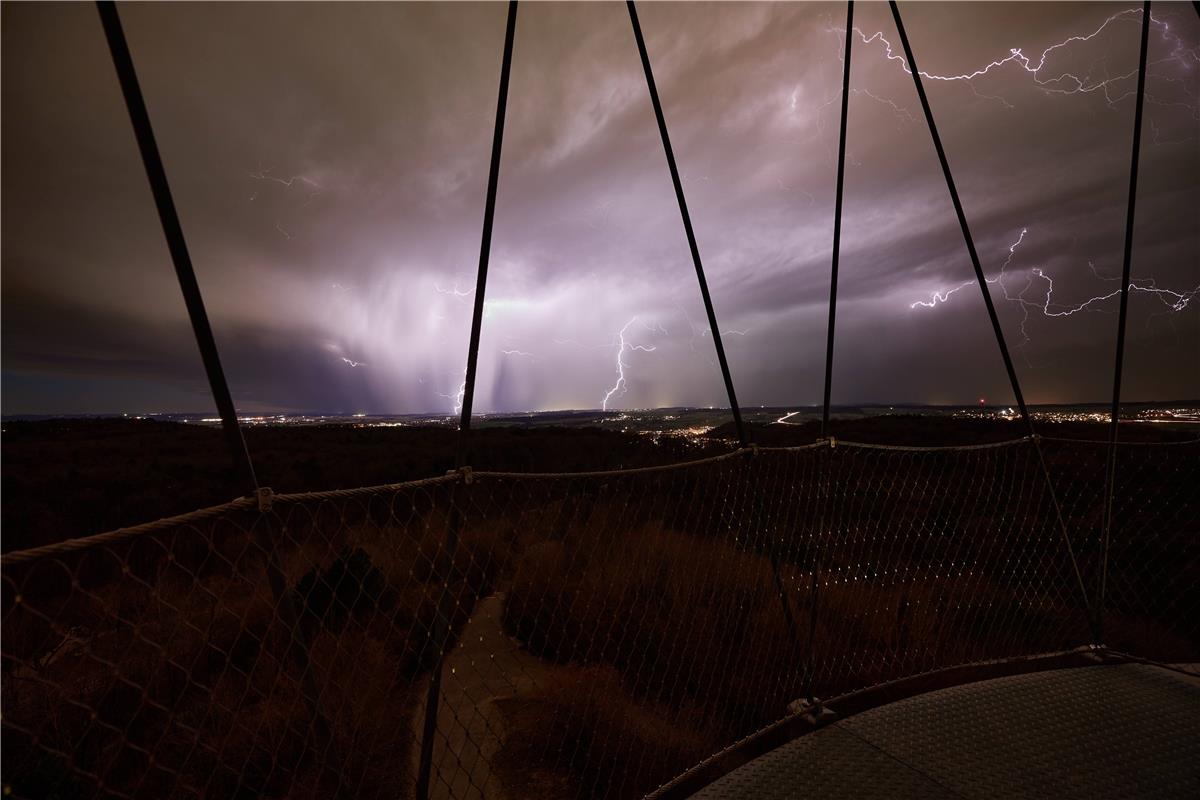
(837, 219)
(687, 225)
(173, 231)
(139, 117)
(1111, 473)
(810, 659)
(441, 624)
(991, 309)
(485, 245)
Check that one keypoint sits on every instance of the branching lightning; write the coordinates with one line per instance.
(1052, 80)
(1114, 88)
(265, 175)
(1066, 82)
(899, 111)
(1173, 301)
(624, 346)
(943, 296)
(940, 297)
(311, 187)
(458, 396)
(453, 292)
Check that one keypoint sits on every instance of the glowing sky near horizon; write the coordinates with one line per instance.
(329, 162)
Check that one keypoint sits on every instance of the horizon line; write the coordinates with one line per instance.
(250, 415)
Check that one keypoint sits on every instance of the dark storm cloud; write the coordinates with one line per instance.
(87, 340)
(329, 163)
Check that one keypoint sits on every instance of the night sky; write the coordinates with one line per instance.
(329, 163)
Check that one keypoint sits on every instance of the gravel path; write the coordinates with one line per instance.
(485, 667)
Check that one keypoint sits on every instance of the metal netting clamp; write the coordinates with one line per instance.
(814, 712)
(266, 498)
(466, 473)
(832, 442)
(750, 450)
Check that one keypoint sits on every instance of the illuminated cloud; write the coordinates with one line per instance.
(329, 163)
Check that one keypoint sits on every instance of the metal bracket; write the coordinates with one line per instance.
(464, 472)
(814, 713)
(1098, 652)
(266, 498)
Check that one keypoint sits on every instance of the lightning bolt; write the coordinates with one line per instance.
(1173, 301)
(939, 297)
(1054, 81)
(1048, 79)
(655, 327)
(296, 181)
(942, 297)
(701, 332)
(265, 175)
(900, 112)
(353, 363)
(624, 346)
(691, 326)
(457, 397)
(454, 292)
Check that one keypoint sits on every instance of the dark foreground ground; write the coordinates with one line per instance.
(602, 634)
(70, 478)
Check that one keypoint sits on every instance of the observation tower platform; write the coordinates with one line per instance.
(1104, 731)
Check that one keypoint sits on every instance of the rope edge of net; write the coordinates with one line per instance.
(615, 473)
(247, 503)
(933, 449)
(200, 515)
(96, 540)
(822, 444)
(1106, 443)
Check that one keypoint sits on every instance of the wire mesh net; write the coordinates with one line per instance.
(169, 662)
(1150, 579)
(592, 635)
